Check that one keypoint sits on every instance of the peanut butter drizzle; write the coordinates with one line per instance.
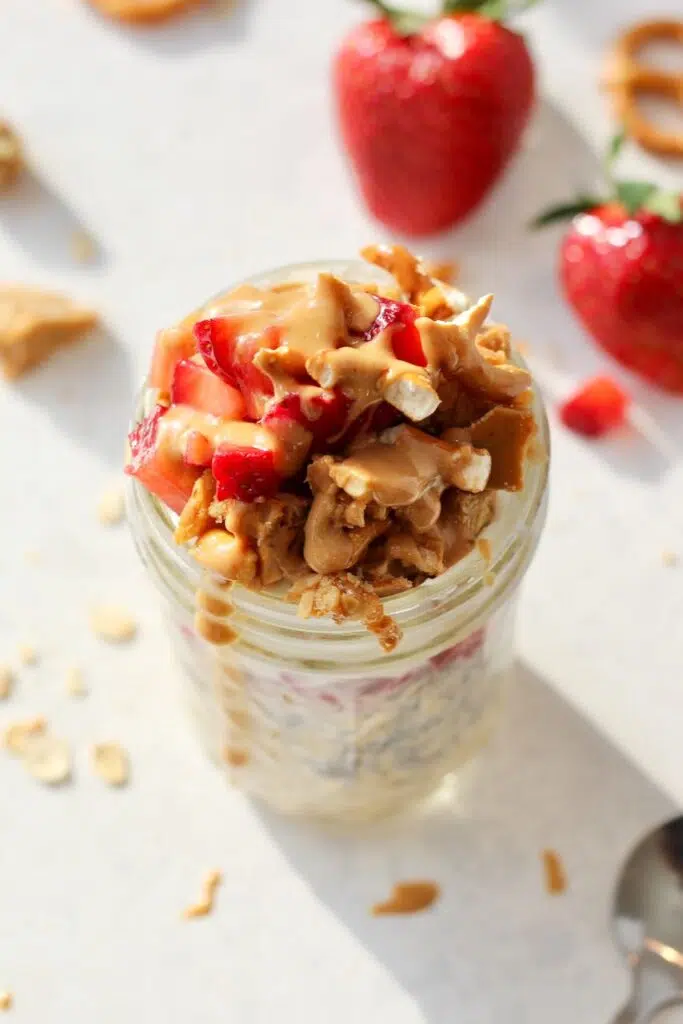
(404, 464)
(180, 420)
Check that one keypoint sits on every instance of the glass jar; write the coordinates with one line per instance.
(311, 716)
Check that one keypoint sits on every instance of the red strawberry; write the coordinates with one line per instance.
(245, 473)
(621, 267)
(431, 110)
(405, 339)
(194, 384)
(229, 355)
(598, 407)
(327, 417)
(156, 469)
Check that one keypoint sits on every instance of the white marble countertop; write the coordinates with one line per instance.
(196, 154)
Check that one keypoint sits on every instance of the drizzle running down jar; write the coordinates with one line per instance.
(309, 714)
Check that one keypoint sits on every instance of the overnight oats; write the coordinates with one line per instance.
(337, 481)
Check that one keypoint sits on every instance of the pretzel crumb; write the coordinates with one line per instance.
(555, 875)
(205, 904)
(111, 507)
(113, 623)
(6, 1001)
(28, 655)
(47, 759)
(111, 763)
(17, 735)
(408, 898)
(670, 559)
(6, 681)
(235, 757)
(75, 685)
(83, 247)
(34, 324)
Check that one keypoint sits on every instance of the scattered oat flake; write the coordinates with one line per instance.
(555, 875)
(47, 759)
(6, 1001)
(670, 559)
(18, 735)
(28, 655)
(113, 623)
(205, 905)
(6, 681)
(111, 763)
(75, 685)
(110, 507)
(408, 898)
(83, 247)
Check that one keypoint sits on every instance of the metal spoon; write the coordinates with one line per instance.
(648, 919)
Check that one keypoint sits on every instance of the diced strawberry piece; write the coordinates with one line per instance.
(198, 449)
(167, 477)
(194, 384)
(405, 338)
(245, 473)
(373, 420)
(170, 347)
(326, 419)
(598, 407)
(465, 649)
(230, 356)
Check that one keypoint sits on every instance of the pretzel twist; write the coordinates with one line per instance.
(627, 78)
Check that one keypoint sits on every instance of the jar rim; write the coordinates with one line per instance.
(468, 579)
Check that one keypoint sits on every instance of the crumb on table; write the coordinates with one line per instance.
(34, 323)
(555, 874)
(206, 902)
(408, 898)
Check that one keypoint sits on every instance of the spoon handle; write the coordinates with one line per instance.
(655, 984)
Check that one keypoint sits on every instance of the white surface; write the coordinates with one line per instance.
(196, 154)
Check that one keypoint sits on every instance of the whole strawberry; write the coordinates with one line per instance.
(621, 267)
(432, 110)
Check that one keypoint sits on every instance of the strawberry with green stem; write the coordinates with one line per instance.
(621, 268)
(431, 110)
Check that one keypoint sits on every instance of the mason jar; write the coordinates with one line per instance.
(311, 716)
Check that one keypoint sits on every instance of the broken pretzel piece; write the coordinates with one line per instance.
(11, 156)
(205, 904)
(505, 434)
(34, 323)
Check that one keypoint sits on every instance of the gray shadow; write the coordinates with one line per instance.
(213, 25)
(503, 253)
(43, 224)
(87, 391)
(548, 779)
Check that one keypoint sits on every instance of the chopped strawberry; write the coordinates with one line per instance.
(373, 420)
(194, 384)
(405, 338)
(156, 469)
(326, 419)
(599, 406)
(171, 346)
(245, 473)
(230, 356)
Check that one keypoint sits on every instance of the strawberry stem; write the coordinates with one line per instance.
(404, 23)
(495, 10)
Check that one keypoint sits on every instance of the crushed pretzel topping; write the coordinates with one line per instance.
(408, 898)
(111, 507)
(113, 623)
(111, 763)
(195, 518)
(11, 156)
(16, 736)
(47, 759)
(34, 323)
(206, 903)
(6, 681)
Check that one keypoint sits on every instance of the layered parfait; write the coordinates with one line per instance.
(335, 443)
